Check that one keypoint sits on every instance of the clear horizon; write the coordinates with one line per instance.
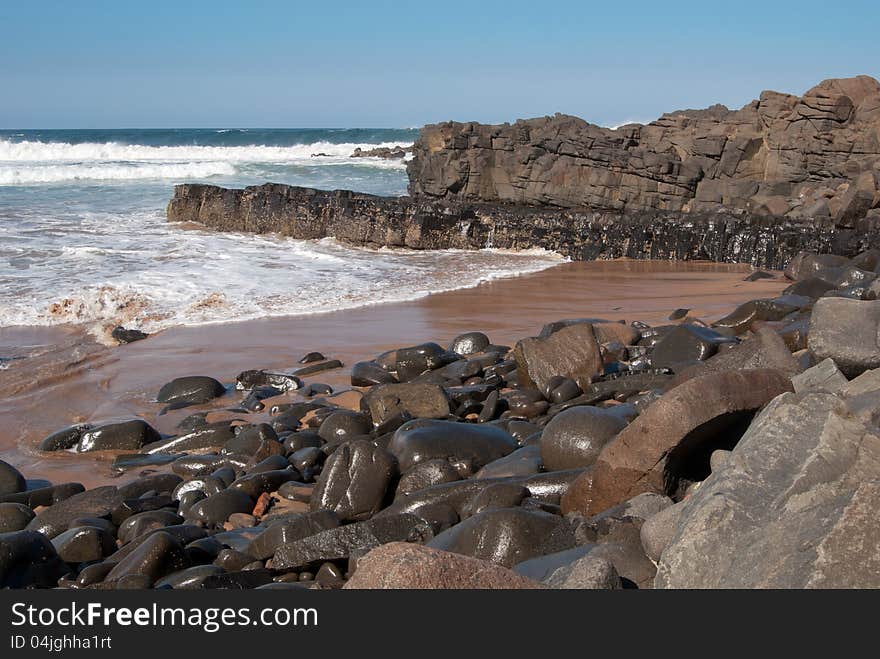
(95, 65)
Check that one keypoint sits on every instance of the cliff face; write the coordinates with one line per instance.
(814, 156)
(418, 223)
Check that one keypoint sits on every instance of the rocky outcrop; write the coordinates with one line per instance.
(580, 234)
(754, 185)
(812, 157)
(793, 507)
(385, 152)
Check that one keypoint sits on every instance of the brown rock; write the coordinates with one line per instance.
(667, 439)
(420, 401)
(405, 565)
(571, 352)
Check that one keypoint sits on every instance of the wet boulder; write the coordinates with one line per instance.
(412, 362)
(64, 439)
(686, 344)
(14, 516)
(427, 474)
(354, 481)
(11, 480)
(764, 349)
(248, 380)
(367, 374)
(158, 555)
(28, 559)
(471, 445)
(469, 343)
(573, 438)
(98, 502)
(289, 530)
(192, 389)
(343, 425)
(217, 508)
(84, 544)
(123, 436)
(505, 536)
(340, 542)
(418, 401)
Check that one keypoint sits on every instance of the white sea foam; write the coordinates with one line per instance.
(31, 162)
(151, 275)
(26, 151)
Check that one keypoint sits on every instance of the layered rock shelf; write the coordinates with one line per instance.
(580, 234)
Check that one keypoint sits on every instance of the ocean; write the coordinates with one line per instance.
(84, 239)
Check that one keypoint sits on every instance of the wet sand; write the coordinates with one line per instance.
(71, 379)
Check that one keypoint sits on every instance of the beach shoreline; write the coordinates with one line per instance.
(73, 379)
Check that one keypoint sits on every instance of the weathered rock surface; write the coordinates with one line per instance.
(405, 565)
(672, 439)
(794, 506)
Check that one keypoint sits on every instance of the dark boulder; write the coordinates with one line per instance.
(505, 536)
(123, 436)
(11, 480)
(28, 559)
(193, 389)
(354, 481)
(573, 438)
(470, 445)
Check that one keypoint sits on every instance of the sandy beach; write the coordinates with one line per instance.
(71, 379)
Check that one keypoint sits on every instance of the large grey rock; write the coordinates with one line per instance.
(590, 572)
(824, 376)
(658, 530)
(794, 506)
(847, 331)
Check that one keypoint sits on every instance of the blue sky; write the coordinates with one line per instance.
(373, 63)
